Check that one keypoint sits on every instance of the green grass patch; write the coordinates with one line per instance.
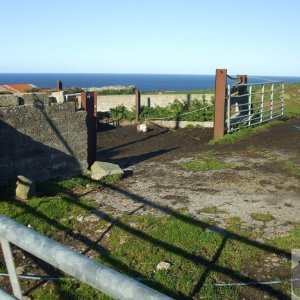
(212, 209)
(206, 165)
(262, 217)
(57, 207)
(243, 133)
(140, 248)
(292, 167)
(292, 100)
(126, 91)
(48, 215)
(66, 290)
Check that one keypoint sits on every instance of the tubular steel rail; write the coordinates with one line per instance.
(252, 104)
(79, 266)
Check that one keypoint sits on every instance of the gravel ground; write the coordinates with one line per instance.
(256, 182)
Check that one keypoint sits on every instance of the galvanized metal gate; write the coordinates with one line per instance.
(252, 104)
(242, 105)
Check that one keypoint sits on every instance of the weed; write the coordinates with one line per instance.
(233, 220)
(292, 167)
(235, 136)
(206, 165)
(212, 209)
(262, 217)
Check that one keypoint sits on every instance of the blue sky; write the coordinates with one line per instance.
(157, 36)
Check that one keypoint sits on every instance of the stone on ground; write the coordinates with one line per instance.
(25, 188)
(142, 128)
(102, 169)
(163, 265)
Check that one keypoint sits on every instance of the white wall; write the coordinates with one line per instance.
(106, 102)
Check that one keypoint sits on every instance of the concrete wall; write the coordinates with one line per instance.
(39, 139)
(106, 102)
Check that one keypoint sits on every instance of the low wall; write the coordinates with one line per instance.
(40, 139)
(106, 102)
(182, 124)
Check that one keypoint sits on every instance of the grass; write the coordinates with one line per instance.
(286, 164)
(212, 209)
(62, 209)
(292, 100)
(291, 167)
(241, 134)
(262, 217)
(137, 244)
(207, 162)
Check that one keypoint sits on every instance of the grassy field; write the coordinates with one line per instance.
(199, 254)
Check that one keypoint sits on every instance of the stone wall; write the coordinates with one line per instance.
(40, 139)
(106, 102)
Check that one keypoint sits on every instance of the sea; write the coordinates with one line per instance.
(144, 82)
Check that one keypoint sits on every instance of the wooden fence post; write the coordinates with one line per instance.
(220, 95)
(89, 103)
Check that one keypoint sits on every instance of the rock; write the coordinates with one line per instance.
(92, 218)
(25, 188)
(79, 218)
(163, 265)
(20, 270)
(142, 128)
(101, 169)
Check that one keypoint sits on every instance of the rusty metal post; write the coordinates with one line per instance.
(220, 95)
(137, 103)
(59, 85)
(89, 103)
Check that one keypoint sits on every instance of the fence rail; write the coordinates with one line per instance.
(79, 266)
(252, 104)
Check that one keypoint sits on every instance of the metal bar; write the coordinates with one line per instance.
(220, 95)
(79, 266)
(5, 296)
(228, 109)
(272, 98)
(265, 83)
(9, 261)
(282, 97)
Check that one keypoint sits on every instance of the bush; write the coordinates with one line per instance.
(196, 110)
(121, 112)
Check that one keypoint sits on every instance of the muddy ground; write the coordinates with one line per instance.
(256, 182)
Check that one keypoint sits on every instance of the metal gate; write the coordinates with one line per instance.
(252, 104)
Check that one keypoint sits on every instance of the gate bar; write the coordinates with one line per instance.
(97, 275)
(9, 261)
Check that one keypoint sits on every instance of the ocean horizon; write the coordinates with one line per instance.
(144, 82)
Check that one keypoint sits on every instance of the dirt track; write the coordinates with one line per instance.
(258, 180)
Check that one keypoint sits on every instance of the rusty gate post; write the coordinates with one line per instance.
(89, 103)
(137, 103)
(220, 95)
